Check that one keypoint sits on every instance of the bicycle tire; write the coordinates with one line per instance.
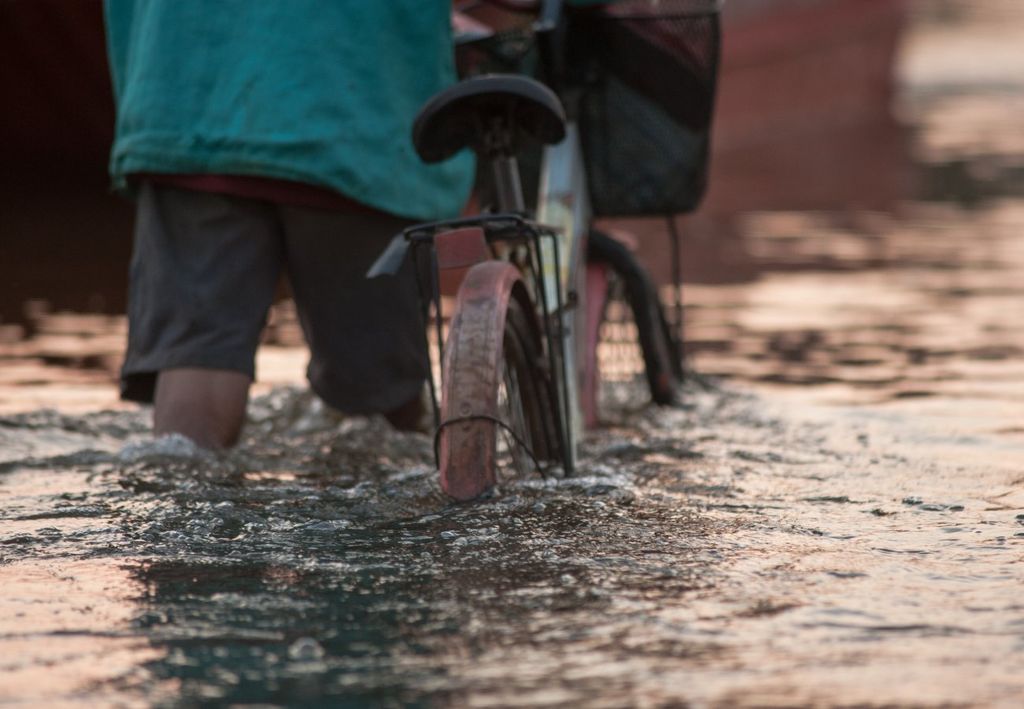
(663, 366)
(493, 355)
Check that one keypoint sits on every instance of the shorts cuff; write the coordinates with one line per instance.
(138, 379)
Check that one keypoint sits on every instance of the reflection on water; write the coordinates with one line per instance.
(933, 316)
(65, 626)
(727, 552)
(849, 535)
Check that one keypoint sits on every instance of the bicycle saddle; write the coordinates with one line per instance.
(490, 114)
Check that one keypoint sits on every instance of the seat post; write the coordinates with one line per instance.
(507, 185)
(498, 148)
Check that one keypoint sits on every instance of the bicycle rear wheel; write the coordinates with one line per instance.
(498, 405)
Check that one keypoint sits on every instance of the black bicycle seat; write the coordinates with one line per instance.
(468, 113)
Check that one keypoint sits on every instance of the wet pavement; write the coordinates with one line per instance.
(835, 516)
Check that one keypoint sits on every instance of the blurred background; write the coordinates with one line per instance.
(860, 241)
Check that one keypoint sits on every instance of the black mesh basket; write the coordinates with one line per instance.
(646, 72)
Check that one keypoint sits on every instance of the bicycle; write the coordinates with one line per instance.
(518, 368)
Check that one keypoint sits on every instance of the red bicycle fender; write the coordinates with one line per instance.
(473, 351)
(457, 251)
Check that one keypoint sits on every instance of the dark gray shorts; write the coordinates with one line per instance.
(204, 272)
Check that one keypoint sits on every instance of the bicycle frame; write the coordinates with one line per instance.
(563, 203)
(563, 206)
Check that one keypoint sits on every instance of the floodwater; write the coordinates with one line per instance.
(835, 516)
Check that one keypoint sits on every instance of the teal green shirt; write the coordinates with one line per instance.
(317, 91)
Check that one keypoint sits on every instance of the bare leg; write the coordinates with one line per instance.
(206, 405)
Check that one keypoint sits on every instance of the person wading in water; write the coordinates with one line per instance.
(261, 138)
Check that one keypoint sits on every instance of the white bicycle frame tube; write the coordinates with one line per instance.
(563, 202)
